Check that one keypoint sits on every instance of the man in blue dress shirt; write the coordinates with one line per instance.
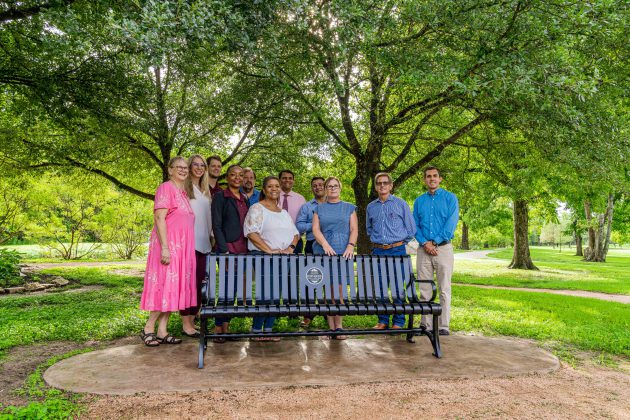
(249, 181)
(436, 213)
(390, 226)
(304, 221)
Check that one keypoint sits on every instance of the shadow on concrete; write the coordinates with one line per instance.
(236, 365)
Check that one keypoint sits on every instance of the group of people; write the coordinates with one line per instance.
(194, 216)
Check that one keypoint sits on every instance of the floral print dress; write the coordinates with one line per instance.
(171, 287)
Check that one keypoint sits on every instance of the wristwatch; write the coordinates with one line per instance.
(434, 243)
(292, 246)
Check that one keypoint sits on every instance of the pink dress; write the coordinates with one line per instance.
(169, 288)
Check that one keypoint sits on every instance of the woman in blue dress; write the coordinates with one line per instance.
(336, 229)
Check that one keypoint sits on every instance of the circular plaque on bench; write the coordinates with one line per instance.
(314, 275)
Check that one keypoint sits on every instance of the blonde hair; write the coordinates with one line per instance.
(332, 178)
(203, 182)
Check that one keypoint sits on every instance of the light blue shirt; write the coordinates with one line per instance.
(389, 221)
(304, 222)
(436, 216)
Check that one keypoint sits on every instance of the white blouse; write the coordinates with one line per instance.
(203, 221)
(275, 228)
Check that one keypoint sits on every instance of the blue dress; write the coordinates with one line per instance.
(334, 222)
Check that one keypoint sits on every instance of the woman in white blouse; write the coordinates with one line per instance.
(198, 191)
(269, 230)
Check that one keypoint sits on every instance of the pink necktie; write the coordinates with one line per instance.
(285, 203)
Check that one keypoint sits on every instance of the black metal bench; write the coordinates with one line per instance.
(298, 285)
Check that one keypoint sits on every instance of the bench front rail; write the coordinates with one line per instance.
(299, 285)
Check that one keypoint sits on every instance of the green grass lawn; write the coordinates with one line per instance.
(563, 323)
(557, 271)
(112, 312)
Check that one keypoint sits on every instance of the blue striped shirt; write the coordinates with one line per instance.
(304, 221)
(436, 216)
(389, 221)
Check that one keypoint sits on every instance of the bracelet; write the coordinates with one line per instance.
(351, 244)
(292, 246)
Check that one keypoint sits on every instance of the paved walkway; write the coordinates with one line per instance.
(579, 293)
(239, 365)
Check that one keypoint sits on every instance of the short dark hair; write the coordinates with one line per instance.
(229, 169)
(213, 157)
(287, 171)
(315, 178)
(430, 168)
(264, 184)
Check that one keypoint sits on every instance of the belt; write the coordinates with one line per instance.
(388, 246)
(444, 243)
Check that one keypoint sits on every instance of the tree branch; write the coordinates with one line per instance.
(437, 150)
(17, 13)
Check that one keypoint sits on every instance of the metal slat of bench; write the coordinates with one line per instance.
(240, 273)
(369, 287)
(257, 278)
(231, 276)
(249, 274)
(393, 276)
(211, 285)
(222, 262)
(266, 282)
(379, 275)
(274, 296)
(284, 269)
(360, 298)
(293, 281)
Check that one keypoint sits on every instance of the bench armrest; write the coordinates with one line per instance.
(204, 291)
(414, 280)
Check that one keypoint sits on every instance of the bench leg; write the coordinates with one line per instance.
(203, 327)
(435, 339)
(410, 326)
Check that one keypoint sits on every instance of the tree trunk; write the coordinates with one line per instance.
(521, 258)
(361, 188)
(578, 244)
(599, 231)
(465, 243)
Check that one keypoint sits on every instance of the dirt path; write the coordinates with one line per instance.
(588, 392)
(579, 293)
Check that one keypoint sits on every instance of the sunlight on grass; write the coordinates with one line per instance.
(557, 271)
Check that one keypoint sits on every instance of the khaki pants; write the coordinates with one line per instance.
(442, 266)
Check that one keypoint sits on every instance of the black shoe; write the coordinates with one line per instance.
(444, 332)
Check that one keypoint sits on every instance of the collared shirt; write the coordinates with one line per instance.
(389, 221)
(254, 198)
(295, 203)
(436, 216)
(304, 221)
(215, 189)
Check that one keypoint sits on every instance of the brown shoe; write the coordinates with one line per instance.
(396, 327)
(380, 326)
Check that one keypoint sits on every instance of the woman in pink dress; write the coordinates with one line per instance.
(169, 281)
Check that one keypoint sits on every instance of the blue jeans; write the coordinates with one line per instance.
(260, 322)
(398, 320)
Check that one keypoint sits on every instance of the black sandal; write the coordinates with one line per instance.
(169, 339)
(149, 339)
(196, 334)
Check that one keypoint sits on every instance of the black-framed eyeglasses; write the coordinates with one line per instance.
(333, 187)
(382, 183)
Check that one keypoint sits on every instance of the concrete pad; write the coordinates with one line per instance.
(236, 365)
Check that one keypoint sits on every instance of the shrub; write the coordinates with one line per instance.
(10, 268)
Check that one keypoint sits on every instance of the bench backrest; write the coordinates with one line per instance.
(244, 280)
